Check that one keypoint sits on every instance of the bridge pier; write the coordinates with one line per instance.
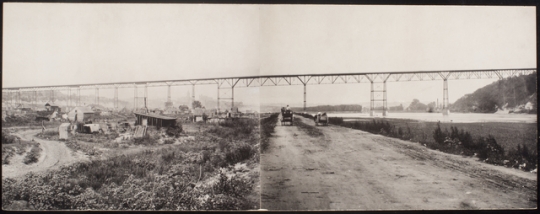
(168, 93)
(232, 98)
(372, 100)
(69, 102)
(79, 96)
(304, 97)
(145, 94)
(135, 97)
(116, 98)
(97, 96)
(218, 110)
(445, 110)
(385, 106)
(19, 101)
(52, 95)
(192, 94)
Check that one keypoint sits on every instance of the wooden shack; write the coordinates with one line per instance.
(52, 107)
(81, 114)
(150, 119)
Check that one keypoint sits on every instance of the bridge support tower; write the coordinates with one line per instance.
(377, 93)
(305, 94)
(445, 110)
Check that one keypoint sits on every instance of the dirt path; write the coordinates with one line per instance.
(53, 155)
(351, 169)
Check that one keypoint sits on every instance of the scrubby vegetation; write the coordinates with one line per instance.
(12, 145)
(33, 155)
(28, 119)
(267, 129)
(454, 141)
(216, 171)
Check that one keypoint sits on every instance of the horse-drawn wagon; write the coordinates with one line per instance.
(321, 118)
(286, 117)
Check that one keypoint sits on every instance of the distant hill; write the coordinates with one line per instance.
(514, 94)
(328, 108)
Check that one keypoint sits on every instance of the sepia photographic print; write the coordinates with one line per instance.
(181, 107)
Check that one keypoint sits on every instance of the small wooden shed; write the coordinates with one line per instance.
(157, 120)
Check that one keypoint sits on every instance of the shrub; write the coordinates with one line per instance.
(238, 152)
(145, 140)
(8, 138)
(168, 141)
(33, 155)
(438, 134)
(175, 131)
(336, 120)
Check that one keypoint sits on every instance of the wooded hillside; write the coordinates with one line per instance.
(511, 94)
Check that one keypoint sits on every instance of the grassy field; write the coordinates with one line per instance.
(508, 135)
(217, 170)
(510, 144)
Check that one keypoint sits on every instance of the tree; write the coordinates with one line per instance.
(196, 104)
(183, 108)
(416, 105)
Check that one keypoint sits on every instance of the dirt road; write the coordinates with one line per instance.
(53, 155)
(354, 170)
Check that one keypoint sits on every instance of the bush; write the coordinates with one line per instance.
(168, 141)
(33, 155)
(335, 120)
(438, 134)
(145, 140)
(174, 131)
(8, 138)
(238, 152)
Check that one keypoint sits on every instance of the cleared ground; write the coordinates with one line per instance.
(351, 169)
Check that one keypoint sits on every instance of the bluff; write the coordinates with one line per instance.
(513, 94)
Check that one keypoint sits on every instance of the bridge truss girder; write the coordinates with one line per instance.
(229, 83)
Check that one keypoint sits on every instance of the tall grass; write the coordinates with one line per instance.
(454, 141)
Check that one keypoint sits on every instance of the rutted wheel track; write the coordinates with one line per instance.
(53, 155)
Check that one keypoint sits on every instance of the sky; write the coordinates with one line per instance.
(59, 43)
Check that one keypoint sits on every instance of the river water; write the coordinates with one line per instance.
(453, 117)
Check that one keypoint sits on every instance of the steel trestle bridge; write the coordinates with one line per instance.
(228, 84)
